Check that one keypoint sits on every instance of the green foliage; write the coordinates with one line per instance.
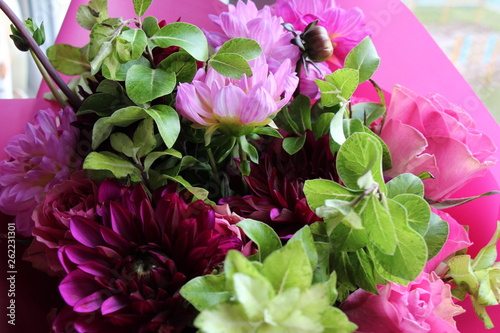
(262, 235)
(121, 168)
(278, 295)
(140, 6)
(184, 35)
(480, 278)
(89, 15)
(182, 64)
(364, 59)
(338, 87)
(232, 58)
(67, 59)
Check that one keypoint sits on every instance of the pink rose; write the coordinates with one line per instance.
(436, 136)
(75, 197)
(457, 240)
(425, 305)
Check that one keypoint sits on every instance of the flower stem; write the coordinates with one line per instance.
(381, 96)
(57, 95)
(213, 165)
(73, 99)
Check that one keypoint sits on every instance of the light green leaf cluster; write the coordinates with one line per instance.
(374, 231)
(478, 277)
(279, 294)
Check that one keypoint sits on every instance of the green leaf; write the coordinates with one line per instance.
(304, 236)
(95, 12)
(123, 117)
(337, 127)
(363, 58)
(102, 104)
(261, 234)
(300, 112)
(410, 255)
(120, 167)
(204, 292)
(236, 262)
(386, 154)
(137, 40)
(288, 267)
(317, 191)
(368, 112)
(144, 84)
(359, 155)
(184, 35)
(67, 59)
(150, 25)
(120, 73)
(339, 211)
(152, 157)
(322, 125)
(293, 144)
(364, 271)
(462, 273)
(456, 202)
(249, 149)
(105, 51)
(252, 293)
(418, 210)
(182, 64)
(123, 144)
(231, 65)
(436, 235)
(488, 254)
(338, 87)
(380, 226)
(144, 137)
(167, 121)
(249, 49)
(224, 318)
(140, 6)
(405, 183)
(269, 131)
(335, 321)
(344, 238)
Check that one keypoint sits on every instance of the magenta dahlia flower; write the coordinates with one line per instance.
(276, 185)
(40, 158)
(217, 102)
(124, 271)
(346, 27)
(245, 20)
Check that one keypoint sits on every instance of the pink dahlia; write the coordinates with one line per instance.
(125, 269)
(346, 27)
(424, 306)
(218, 102)
(276, 185)
(245, 20)
(41, 158)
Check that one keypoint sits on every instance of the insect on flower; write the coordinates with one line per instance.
(314, 43)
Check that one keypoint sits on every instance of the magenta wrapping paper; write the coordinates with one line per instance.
(409, 56)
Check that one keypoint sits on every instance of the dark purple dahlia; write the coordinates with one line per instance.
(276, 184)
(125, 269)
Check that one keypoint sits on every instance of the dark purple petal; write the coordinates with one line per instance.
(92, 302)
(96, 269)
(113, 304)
(75, 286)
(86, 231)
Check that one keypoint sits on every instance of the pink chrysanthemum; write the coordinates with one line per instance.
(346, 27)
(40, 158)
(245, 20)
(218, 102)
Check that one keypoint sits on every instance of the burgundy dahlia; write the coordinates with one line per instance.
(276, 184)
(126, 267)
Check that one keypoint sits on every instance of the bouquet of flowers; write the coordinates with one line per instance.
(247, 176)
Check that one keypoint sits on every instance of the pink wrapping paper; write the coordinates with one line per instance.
(409, 57)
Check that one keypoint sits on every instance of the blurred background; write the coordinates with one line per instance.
(468, 31)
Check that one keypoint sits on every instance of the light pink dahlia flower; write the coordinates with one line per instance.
(40, 158)
(245, 20)
(346, 27)
(230, 105)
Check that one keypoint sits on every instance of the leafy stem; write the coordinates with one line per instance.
(73, 99)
